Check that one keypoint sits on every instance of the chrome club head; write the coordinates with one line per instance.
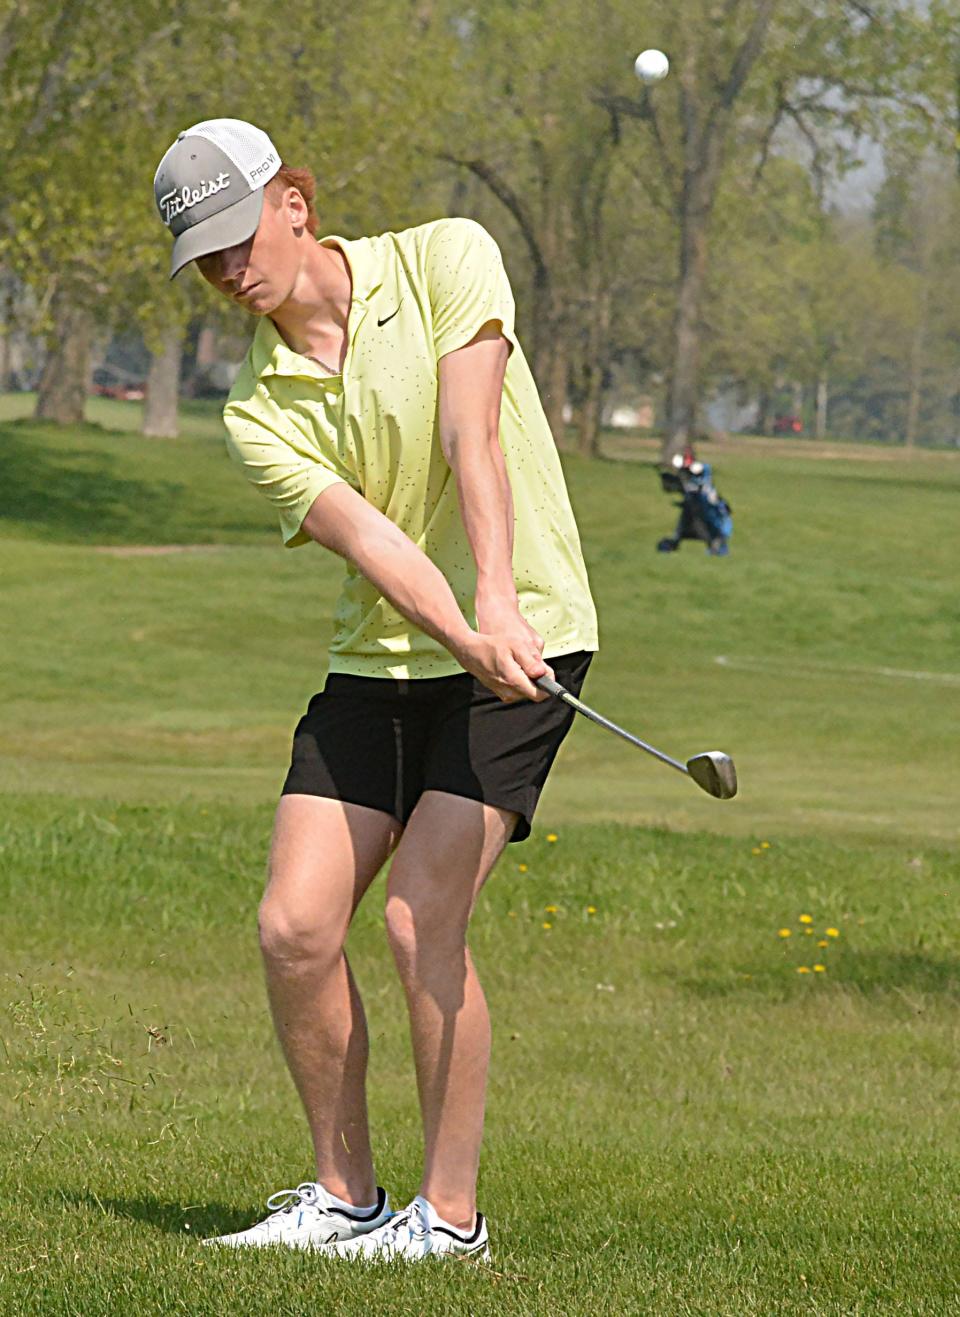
(715, 773)
(712, 771)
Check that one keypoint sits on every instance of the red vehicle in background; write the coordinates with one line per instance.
(109, 382)
(787, 425)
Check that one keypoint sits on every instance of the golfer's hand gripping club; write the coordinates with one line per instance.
(713, 771)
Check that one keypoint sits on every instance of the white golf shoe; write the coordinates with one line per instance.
(308, 1217)
(414, 1234)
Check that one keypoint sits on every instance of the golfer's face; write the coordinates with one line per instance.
(253, 273)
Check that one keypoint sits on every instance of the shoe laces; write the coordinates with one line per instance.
(409, 1222)
(285, 1200)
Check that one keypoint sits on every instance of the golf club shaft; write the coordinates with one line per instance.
(555, 688)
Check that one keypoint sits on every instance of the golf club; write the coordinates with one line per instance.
(713, 771)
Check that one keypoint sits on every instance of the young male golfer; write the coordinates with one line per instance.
(386, 410)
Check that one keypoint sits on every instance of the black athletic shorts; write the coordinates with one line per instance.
(382, 742)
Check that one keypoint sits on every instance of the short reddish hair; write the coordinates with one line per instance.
(305, 183)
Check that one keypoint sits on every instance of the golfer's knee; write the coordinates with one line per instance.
(290, 936)
(401, 932)
(422, 936)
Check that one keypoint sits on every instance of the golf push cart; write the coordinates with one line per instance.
(704, 514)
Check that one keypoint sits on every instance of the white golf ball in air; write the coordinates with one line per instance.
(651, 66)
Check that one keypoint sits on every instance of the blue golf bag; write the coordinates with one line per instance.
(704, 514)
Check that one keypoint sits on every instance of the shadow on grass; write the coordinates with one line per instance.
(76, 492)
(869, 972)
(203, 1219)
(894, 481)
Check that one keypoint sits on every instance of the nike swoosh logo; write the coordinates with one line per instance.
(381, 323)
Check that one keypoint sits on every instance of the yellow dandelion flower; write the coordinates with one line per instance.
(522, 868)
(765, 845)
(783, 932)
(806, 919)
(819, 969)
(550, 909)
(591, 909)
(823, 942)
(833, 932)
(757, 850)
(551, 836)
(802, 969)
(809, 931)
(547, 925)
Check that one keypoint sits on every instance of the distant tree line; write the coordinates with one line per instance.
(678, 235)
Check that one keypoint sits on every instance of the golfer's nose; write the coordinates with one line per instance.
(233, 264)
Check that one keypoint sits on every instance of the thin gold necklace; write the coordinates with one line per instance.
(325, 364)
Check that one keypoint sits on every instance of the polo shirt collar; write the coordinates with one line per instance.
(270, 355)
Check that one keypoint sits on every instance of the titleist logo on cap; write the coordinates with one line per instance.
(176, 202)
(208, 187)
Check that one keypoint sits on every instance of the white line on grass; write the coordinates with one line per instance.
(835, 670)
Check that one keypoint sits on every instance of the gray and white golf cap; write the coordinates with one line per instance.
(209, 186)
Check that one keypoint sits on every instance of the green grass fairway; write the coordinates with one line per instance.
(680, 1122)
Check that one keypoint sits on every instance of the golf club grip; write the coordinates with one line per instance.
(554, 687)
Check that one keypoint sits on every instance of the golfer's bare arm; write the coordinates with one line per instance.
(471, 387)
(342, 520)
(471, 384)
(471, 390)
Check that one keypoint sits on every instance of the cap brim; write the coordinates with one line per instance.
(225, 229)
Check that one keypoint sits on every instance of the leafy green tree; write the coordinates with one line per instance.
(97, 93)
(528, 122)
(547, 131)
(744, 72)
(662, 226)
(917, 215)
(756, 309)
(795, 294)
(69, 87)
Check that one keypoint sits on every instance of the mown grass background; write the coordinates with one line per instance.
(679, 1121)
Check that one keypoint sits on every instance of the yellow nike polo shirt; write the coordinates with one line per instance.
(294, 430)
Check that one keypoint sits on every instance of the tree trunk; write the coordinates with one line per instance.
(823, 402)
(916, 374)
(703, 157)
(553, 391)
(550, 328)
(588, 421)
(706, 108)
(206, 348)
(160, 420)
(685, 373)
(594, 370)
(550, 359)
(63, 384)
(764, 405)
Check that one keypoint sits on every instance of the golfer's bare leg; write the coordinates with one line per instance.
(448, 849)
(324, 855)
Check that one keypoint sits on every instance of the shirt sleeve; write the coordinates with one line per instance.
(467, 284)
(279, 460)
